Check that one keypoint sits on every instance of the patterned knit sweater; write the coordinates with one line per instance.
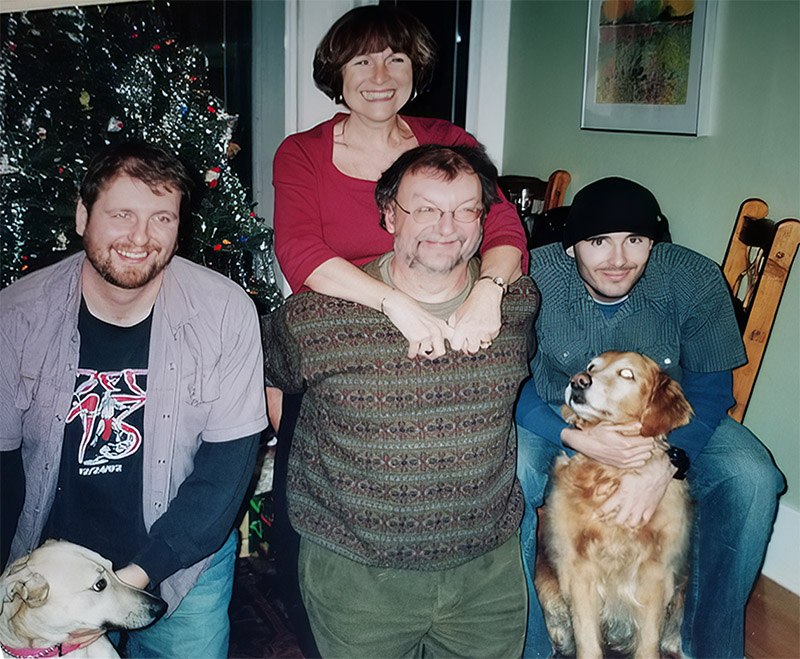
(398, 462)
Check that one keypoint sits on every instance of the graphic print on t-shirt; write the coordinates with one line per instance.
(104, 403)
(98, 500)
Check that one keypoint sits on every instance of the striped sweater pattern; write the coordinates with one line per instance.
(397, 462)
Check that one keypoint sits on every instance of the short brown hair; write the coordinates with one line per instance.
(447, 161)
(149, 163)
(372, 29)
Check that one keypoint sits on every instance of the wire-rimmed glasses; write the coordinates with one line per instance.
(432, 214)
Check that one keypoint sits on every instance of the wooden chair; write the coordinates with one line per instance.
(534, 197)
(756, 266)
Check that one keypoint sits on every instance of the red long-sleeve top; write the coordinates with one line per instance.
(321, 213)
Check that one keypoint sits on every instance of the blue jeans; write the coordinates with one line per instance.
(199, 626)
(735, 485)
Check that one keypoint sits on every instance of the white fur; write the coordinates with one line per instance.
(60, 588)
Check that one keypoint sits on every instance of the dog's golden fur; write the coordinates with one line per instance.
(600, 583)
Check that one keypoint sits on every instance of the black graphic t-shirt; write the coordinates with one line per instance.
(98, 502)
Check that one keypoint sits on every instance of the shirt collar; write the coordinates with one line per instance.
(173, 300)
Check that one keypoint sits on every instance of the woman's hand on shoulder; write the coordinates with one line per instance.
(476, 323)
(426, 334)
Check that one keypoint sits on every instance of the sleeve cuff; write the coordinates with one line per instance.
(158, 560)
(691, 438)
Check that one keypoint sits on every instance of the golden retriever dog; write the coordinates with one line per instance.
(60, 588)
(602, 584)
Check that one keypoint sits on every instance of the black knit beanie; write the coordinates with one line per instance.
(614, 204)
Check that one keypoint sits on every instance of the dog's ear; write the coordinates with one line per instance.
(667, 408)
(30, 587)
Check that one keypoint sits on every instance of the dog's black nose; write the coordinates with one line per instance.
(580, 381)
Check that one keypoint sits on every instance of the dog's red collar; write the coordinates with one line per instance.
(39, 653)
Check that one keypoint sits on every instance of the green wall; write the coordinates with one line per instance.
(753, 151)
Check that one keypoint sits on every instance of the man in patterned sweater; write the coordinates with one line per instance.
(401, 476)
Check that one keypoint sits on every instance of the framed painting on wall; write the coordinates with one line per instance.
(648, 66)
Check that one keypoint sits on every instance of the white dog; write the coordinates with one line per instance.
(60, 588)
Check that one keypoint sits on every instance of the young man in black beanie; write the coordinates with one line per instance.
(615, 284)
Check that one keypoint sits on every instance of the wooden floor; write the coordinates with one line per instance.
(772, 627)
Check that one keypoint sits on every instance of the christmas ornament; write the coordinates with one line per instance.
(232, 149)
(85, 98)
(114, 125)
(212, 177)
(61, 242)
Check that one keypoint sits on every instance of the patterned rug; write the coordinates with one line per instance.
(259, 627)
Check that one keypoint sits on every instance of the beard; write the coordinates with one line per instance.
(439, 267)
(604, 291)
(127, 277)
(415, 257)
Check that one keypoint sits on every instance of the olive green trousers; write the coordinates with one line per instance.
(477, 609)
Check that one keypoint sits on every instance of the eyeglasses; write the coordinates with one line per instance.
(431, 214)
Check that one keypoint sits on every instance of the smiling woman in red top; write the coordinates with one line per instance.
(374, 60)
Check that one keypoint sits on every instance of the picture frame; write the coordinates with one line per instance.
(648, 66)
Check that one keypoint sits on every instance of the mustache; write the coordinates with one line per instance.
(127, 247)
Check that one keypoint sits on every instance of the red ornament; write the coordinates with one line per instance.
(135, 35)
(60, 170)
(217, 247)
(211, 109)
(212, 177)
(156, 47)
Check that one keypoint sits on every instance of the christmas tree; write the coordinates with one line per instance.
(75, 79)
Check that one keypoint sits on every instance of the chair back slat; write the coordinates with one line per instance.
(756, 266)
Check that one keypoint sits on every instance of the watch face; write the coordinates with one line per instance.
(496, 280)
